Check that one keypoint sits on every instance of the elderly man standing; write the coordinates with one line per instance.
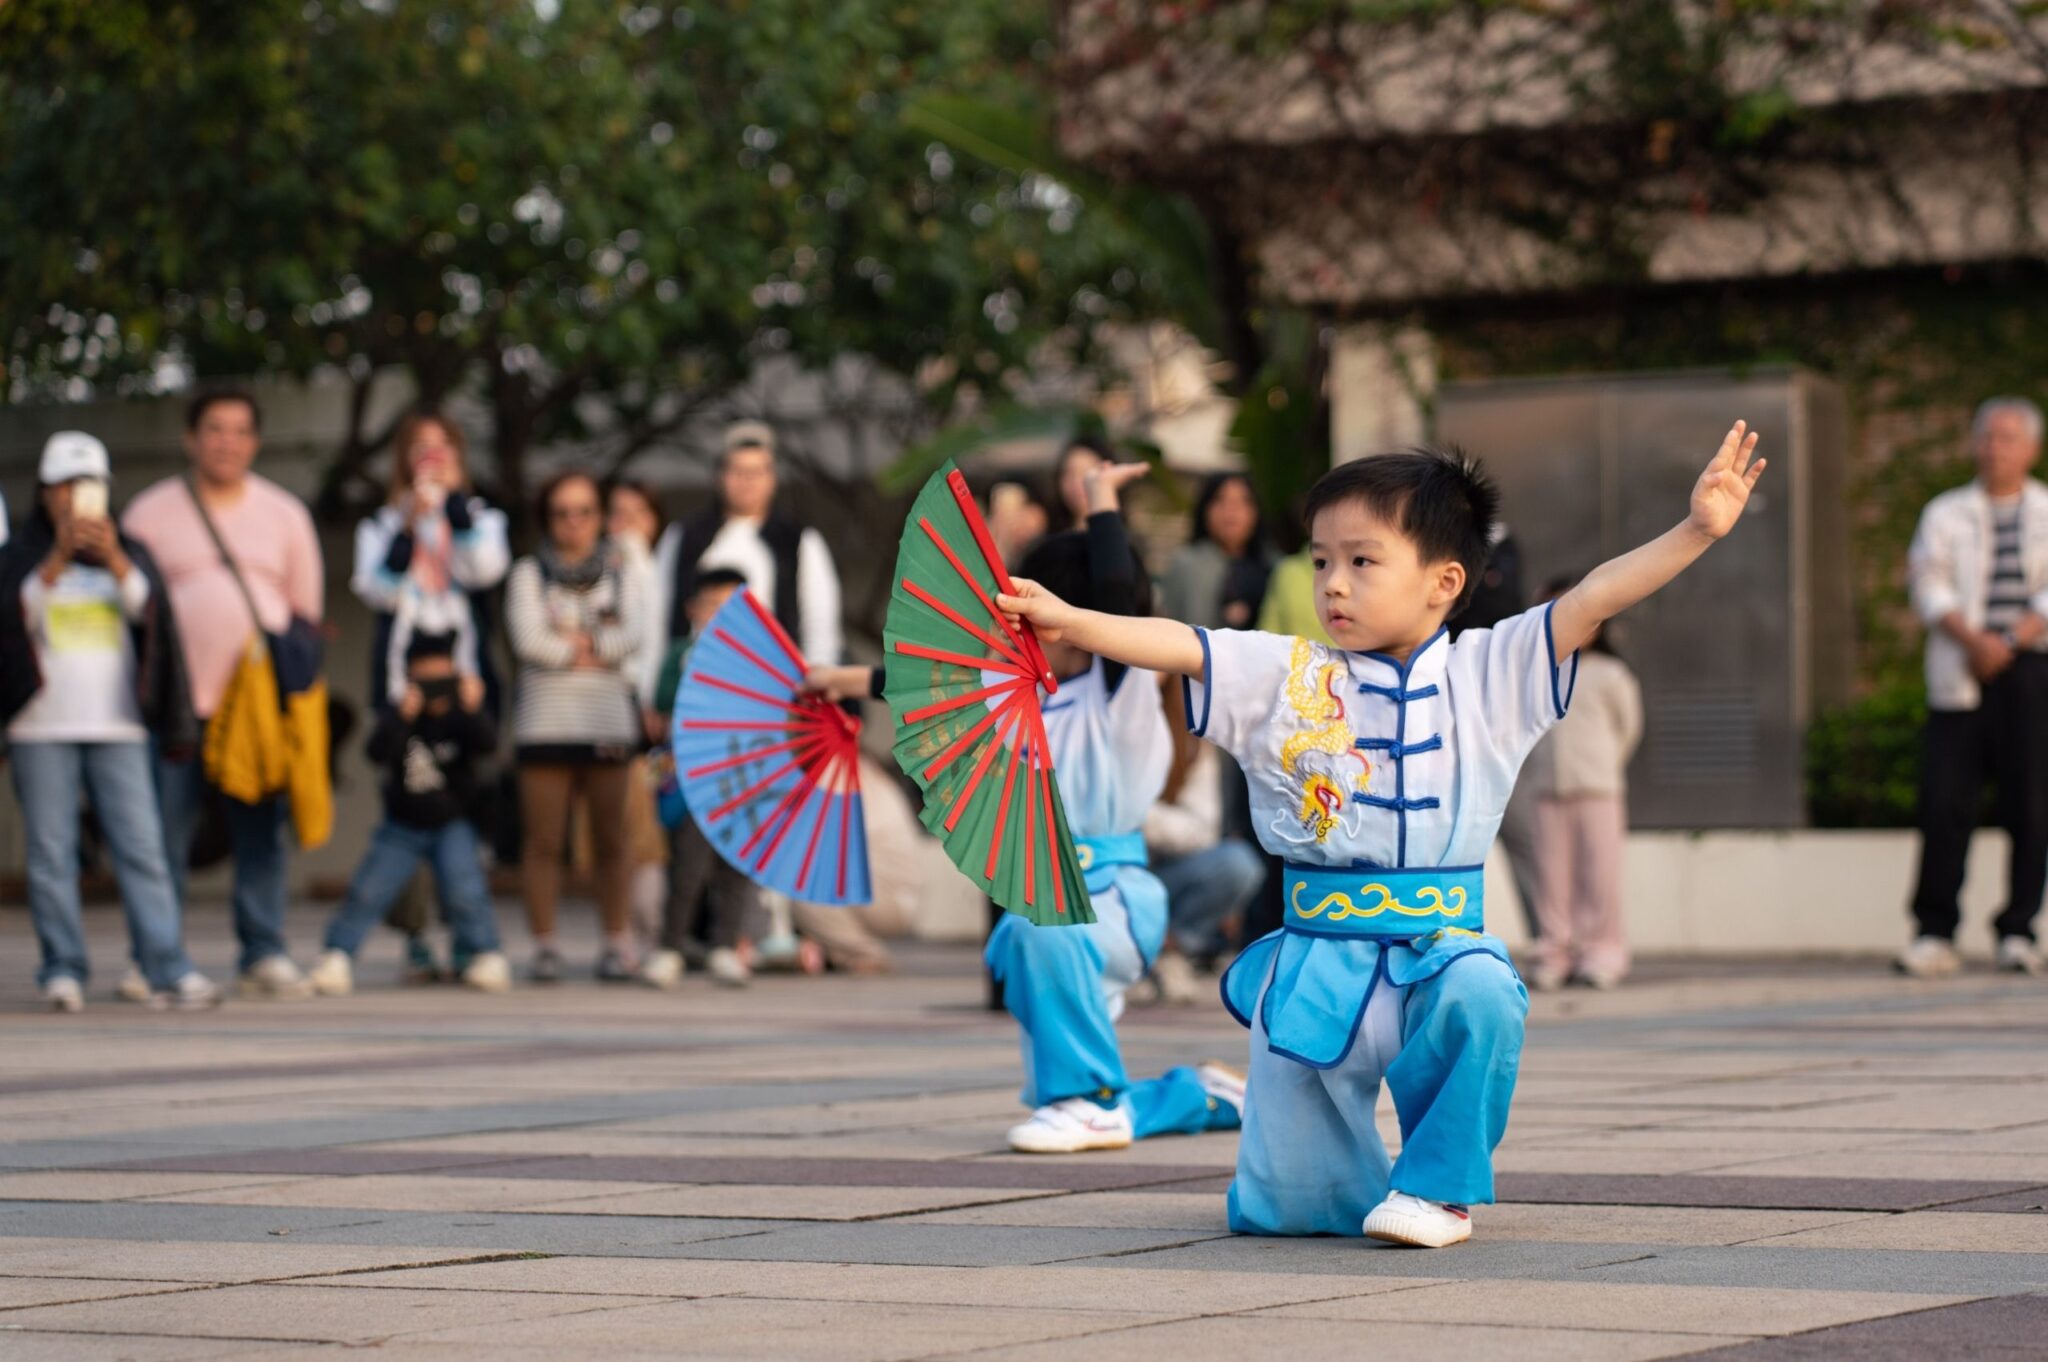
(786, 564)
(1979, 573)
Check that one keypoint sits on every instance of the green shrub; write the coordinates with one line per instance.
(1863, 760)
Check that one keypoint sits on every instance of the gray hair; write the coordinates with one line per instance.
(2021, 407)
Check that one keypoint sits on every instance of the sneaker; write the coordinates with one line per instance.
(420, 965)
(2018, 955)
(1072, 1126)
(1175, 977)
(777, 952)
(1599, 980)
(64, 994)
(193, 992)
(1221, 1082)
(612, 969)
(274, 976)
(134, 988)
(726, 968)
(490, 972)
(546, 967)
(664, 969)
(1404, 1219)
(1545, 978)
(333, 975)
(1929, 957)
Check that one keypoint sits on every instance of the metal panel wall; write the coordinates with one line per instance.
(1734, 654)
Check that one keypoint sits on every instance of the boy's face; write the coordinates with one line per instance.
(705, 604)
(1373, 591)
(435, 676)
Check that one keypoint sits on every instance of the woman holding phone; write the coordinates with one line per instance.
(91, 674)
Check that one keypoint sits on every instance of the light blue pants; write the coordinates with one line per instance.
(256, 834)
(1065, 987)
(1311, 1160)
(49, 777)
(395, 853)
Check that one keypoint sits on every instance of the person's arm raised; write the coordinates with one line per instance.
(1157, 645)
(1718, 499)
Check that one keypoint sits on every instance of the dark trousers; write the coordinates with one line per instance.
(2004, 740)
(707, 899)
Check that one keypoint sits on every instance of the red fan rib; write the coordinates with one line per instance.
(945, 758)
(779, 818)
(995, 837)
(1002, 620)
(736, 726)
(1030, 828)
(976, 526)
(1052, 845)
(758, 697)
(924, 712)
(750, 655)
(754, 754)
(803, 874)
(778, 773)
(1006, 715)
(954, 617)
(845, 828)
(981, 664)
(778, 633)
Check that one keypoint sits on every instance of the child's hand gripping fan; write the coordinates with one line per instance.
(964, 684)
(772, 775)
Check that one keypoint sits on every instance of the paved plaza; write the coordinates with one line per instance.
(1773, 1162)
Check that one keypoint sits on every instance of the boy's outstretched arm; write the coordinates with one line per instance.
(1717, 502)
(1136, 641)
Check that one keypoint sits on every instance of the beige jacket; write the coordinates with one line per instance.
(1587, 753)
(1949, 569)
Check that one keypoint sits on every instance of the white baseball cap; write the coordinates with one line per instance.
(73, 454)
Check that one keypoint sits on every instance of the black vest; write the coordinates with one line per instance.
(781, 536)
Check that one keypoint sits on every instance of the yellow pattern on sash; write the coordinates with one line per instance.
(1430, 902)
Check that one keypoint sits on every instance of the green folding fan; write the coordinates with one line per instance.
(964, 684)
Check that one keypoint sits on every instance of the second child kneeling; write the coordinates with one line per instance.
(429, 747)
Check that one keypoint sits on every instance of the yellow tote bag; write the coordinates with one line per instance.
(246, 756)
(312, 793)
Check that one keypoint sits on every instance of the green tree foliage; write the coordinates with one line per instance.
(559, 205)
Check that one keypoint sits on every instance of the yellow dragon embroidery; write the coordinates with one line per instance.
(1312, 694)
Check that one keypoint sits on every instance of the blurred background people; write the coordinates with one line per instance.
(276, 556)
(1577, 782)
(91, 674)
(576, 620)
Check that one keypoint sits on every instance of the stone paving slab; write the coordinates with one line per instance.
(1798, 1161)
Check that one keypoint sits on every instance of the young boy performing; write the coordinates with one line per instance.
(1110, 749)
(429, 747)
(1379, 769)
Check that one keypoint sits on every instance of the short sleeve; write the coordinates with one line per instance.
(1243, 671)
(1523, 689)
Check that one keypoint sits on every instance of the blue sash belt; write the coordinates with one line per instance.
(1100, 855)
(1372, 902)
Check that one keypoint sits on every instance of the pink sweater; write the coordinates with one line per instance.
(272, 538)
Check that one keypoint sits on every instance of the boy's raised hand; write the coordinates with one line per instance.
(1722, 492)
(1027, 600)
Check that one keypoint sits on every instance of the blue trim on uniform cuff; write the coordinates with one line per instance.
(1560, 700)
(1187, 693)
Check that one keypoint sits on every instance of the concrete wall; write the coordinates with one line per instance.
(1775, 893)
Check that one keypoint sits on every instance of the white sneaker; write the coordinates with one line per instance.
(1546, 978)
(274, 976)
(1071, 1126)
(490, 972)
(64, 994)
(193, 992)
(133, 988)
(333, 976)
(1404, 1219)
(2019, 955)
(1175, 976)
(1929, 957)
(727, 968)
(1222, 1082)
(664, 969)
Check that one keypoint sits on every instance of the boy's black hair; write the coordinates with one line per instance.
(712, 579)
(429, 645)
(1059, 563)
(1440, 498)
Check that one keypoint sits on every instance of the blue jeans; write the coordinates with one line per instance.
(48, 777)
(1207, 889)
(256, 834)
(395, 853)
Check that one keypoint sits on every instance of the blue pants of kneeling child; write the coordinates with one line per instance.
(396, 851)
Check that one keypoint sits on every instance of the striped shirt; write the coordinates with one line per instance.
(563, 712)
(2006, 602)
